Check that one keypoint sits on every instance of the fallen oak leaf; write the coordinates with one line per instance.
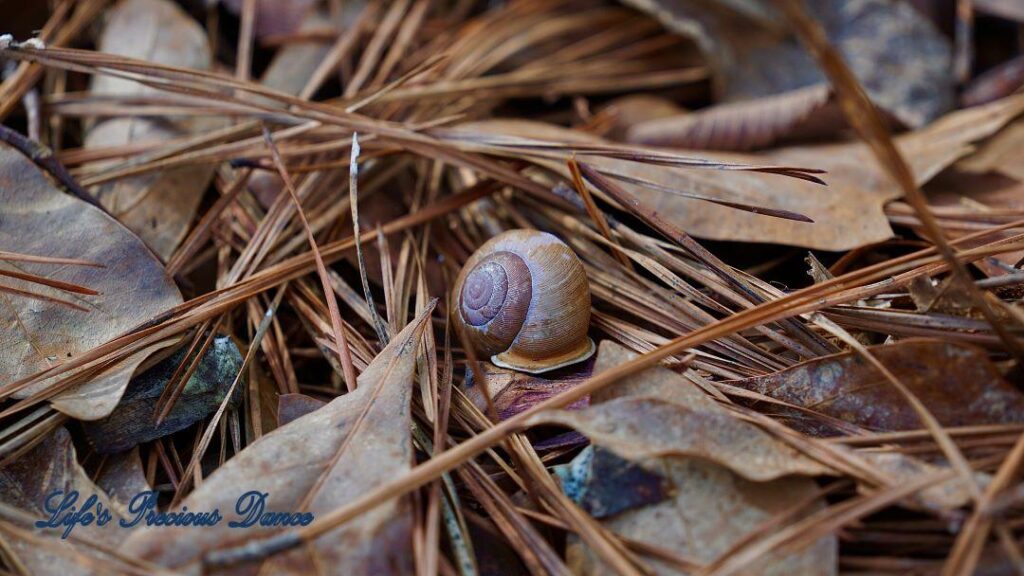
(711, 511)
(695, 507)
(642, 428)
(158, 206)
(134, 420)
(324, 459)
(658, 413)
(849, 213)
(40, 220)
(27, 484)
(896, 53)
(956, 381)
(744, 125)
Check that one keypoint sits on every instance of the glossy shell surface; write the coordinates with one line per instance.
(524, 301)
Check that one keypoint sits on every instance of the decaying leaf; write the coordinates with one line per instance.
(658, 413)
(38, 219)
(899, 57)
(711, 511)
(134, 419)
(846, 214)
(27, 483)
(158, 206)
(315, 464)
(642, 428)
(710, 506)
(512, 392)
(956, 382)
(604, 484)
(743, 125)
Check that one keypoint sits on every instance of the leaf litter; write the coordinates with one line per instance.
(740, 417)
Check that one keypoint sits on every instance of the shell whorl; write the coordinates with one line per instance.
(495, 299)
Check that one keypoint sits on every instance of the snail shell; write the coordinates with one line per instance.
(523, 300)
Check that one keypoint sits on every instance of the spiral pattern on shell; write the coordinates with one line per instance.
(523, 300)
(496, 293)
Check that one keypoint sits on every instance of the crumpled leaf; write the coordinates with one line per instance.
(712, 510)
(351, 445)
(513, 392)
(956, 382)
(710, 507)
(158, 206)
(38, 219)
(25, 485)
(896, 53)
(846, 214)
(646, 428)
(658, 421)
(743, 125)
(134, 420)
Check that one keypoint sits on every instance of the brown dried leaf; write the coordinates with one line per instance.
(294, 406)
(740, 125)
(327, 457)
(158, 206)
(658, 419)
(647, 428)
(711, 507)
(957, 382)
(513, 392)
(899, 57)
(712, 510)
(40, 220)
(28, 481)
(847, 214)
(122, 477)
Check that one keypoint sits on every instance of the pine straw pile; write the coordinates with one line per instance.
(229, 234)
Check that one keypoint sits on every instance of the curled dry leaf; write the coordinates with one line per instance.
(317, 463)
(513, 392)
(846, 215)
(133, 288)
(657, 420)
(648, 428)
(709, 507)
(133, 421)
(158, 206)
(740, 125)
(957, 382)
(900, 58)
(26, 483)
(711, 511)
